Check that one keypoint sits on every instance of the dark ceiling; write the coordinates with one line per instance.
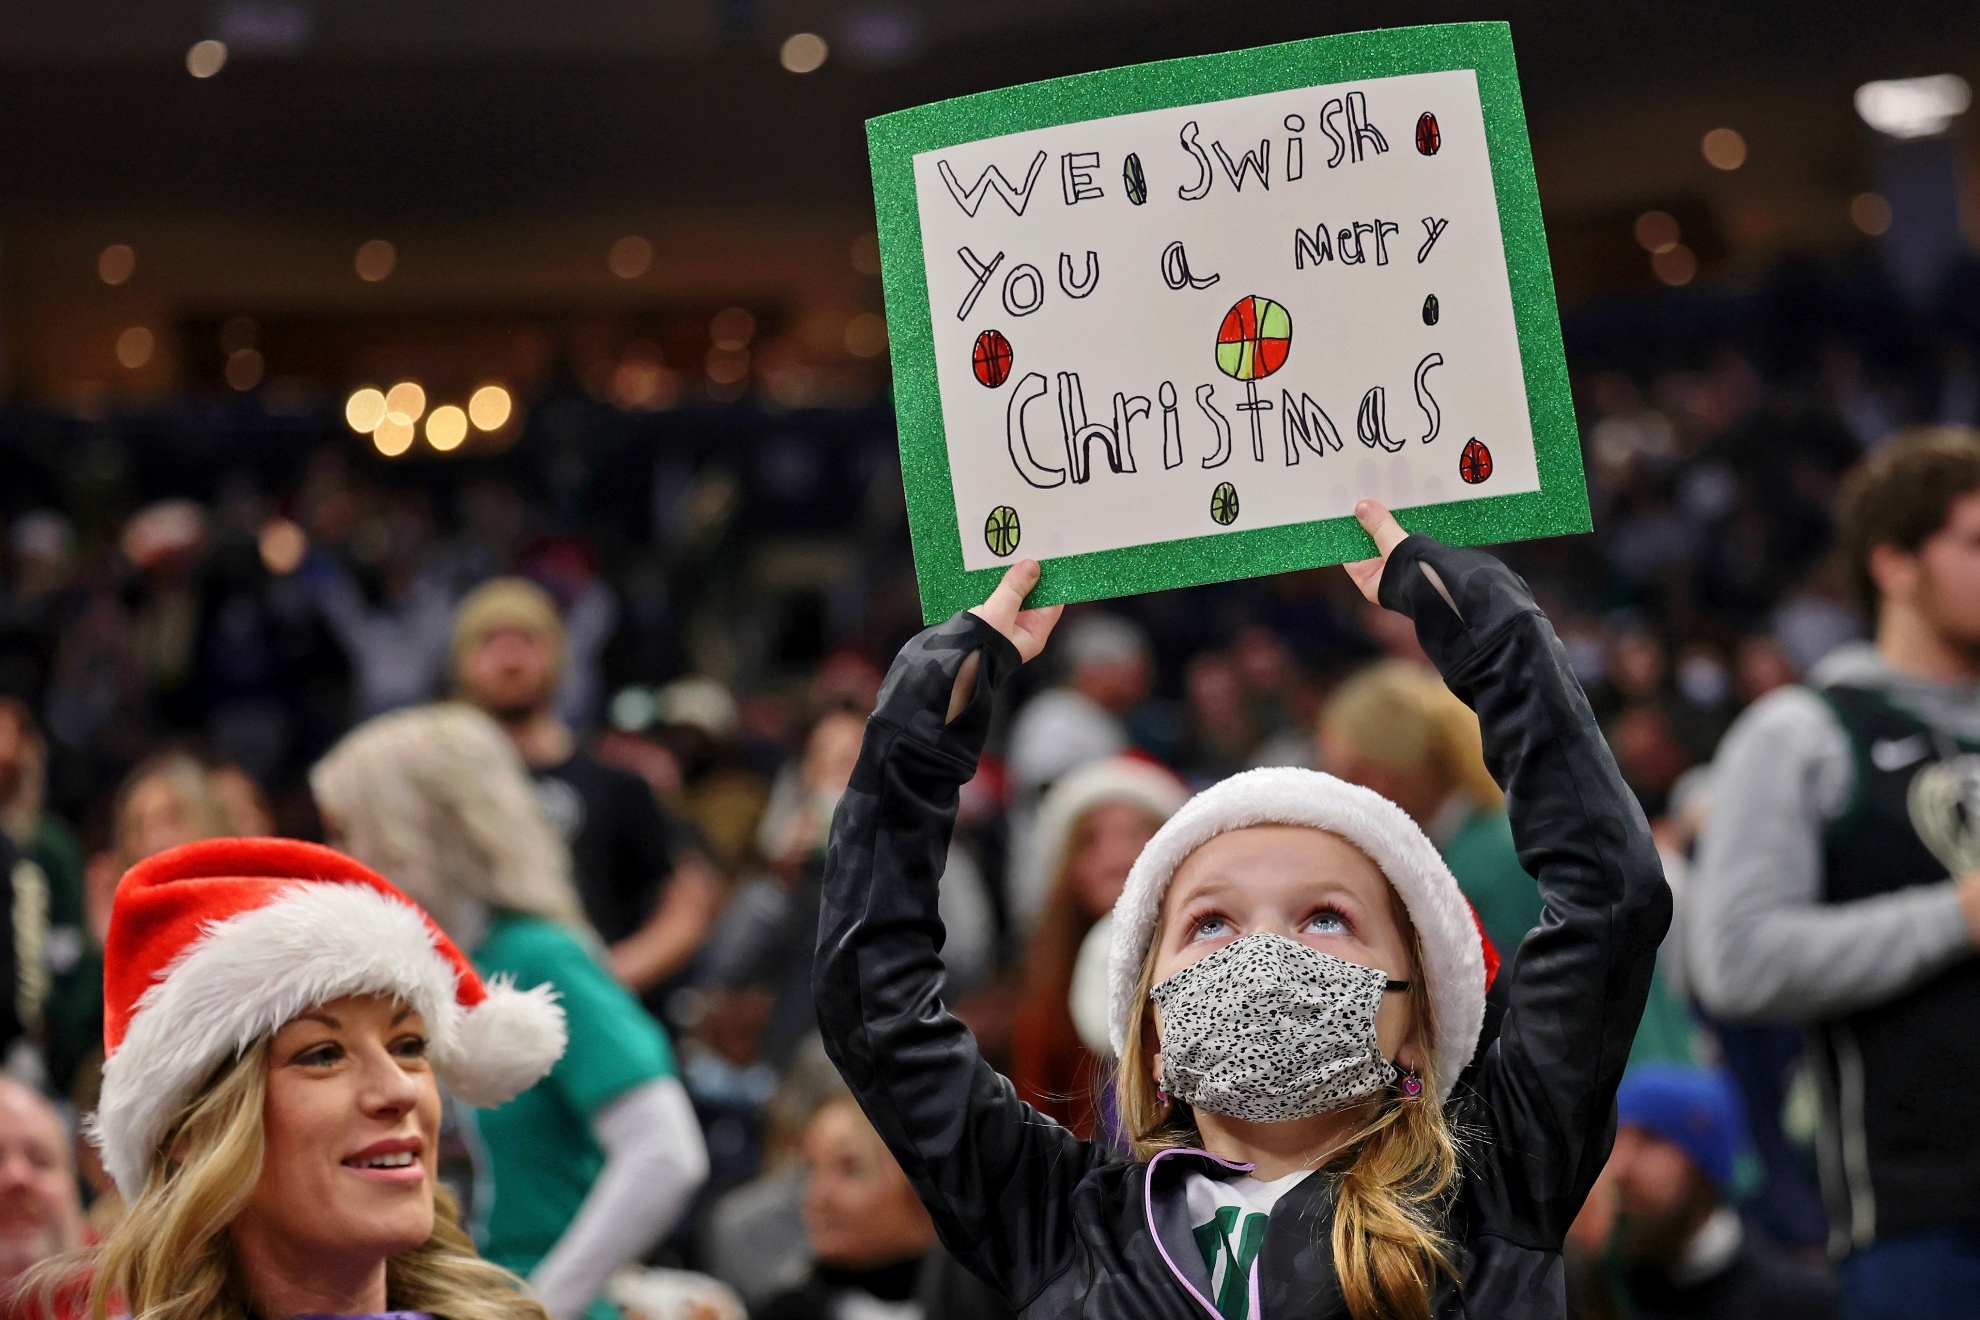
(699, 113)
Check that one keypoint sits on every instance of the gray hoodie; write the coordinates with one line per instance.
(1762, 945)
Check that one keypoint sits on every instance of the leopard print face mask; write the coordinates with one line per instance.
(1267, 1029)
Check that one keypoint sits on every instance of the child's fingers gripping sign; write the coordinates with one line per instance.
(1378, 522)
(1027, 630)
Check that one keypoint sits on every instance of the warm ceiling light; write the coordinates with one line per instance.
(803, 52)
(866, 335)
(732, 328)
(1870, 213)
(282, 545)
(1913, 107)
(1724, 149)
(206, 58)
(1656, 231)
(405, 402)
(364, 410)
(244, 368)
(375, 260)
(1675, 267)
(116, 263)
(393, 437)
(489, 407)
(446, 428)
(630, 257)
(134, 347)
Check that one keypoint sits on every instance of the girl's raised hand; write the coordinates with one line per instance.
(1004, 611)
(1378, 522)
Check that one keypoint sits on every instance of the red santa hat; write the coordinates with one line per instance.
(1458, 963)
(217, 944)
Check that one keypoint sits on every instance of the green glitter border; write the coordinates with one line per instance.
(1558, 508)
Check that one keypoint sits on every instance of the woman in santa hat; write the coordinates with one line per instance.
(279, 1021)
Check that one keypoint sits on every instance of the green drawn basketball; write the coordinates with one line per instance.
(1224, 504)
(1000, 530)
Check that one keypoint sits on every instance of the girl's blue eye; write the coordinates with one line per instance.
(1327, 923)
(1210, 928)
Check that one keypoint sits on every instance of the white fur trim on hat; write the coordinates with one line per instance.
(252, 973)
(1453, 959)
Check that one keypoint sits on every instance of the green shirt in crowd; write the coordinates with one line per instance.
(539, 1157)
(1482, 857)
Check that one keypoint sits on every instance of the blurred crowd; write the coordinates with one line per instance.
(679, 634)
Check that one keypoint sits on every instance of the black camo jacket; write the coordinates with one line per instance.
(1063, 1228)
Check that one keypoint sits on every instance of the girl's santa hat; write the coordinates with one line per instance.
(217, 944)
(1457, 962)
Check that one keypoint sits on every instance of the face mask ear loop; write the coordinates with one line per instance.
(1389, 987)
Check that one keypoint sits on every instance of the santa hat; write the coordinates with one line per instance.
(1128, 779)
(217, 944)
(1454, 953)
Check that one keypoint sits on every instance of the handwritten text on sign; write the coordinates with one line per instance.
(1233, 315)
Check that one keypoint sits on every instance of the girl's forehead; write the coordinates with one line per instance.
(1272, 858)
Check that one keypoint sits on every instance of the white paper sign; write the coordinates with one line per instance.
(1080, 279)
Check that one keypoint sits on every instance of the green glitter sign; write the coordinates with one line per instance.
(1313, 271)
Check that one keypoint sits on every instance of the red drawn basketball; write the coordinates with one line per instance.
(1475, 463)
(1428, 137)
(991, 359)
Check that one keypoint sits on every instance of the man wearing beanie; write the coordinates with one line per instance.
(645, 887)
(1658, 1238)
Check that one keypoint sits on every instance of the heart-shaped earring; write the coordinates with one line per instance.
(1412, 1085)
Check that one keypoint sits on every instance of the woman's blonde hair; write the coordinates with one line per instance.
(1402, 716)
(171, 1257)
(436, 799)
(1393, 1178)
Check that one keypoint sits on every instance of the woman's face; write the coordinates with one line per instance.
(351, 1129)
(1107, 841)
(156, 817)
(860, 1211)
(1290, 880)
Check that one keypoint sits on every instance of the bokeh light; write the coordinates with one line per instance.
(375, 260)
(732, 328)
(803, 52)
(244, 368)
(630, 257)
(282, 545)
(206, 58)
(1724, 149)
(1870, 213)
(405, 402)
(116, 263)
(446, 427)
(866, 335)
(866, 253)
(134, 347)
(1657, 231)
(489, 408)
(365, 409)
(393, 437)
(1676, 266)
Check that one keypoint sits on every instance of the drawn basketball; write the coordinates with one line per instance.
(1430, 309)
(1254, 340)
(1428, 136)
(991, 358)
(1134, 180)
(1224, 504)
(1000, 530)
(1475, 463)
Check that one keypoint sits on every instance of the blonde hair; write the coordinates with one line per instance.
(504, 602)
(436, 799)
(1402, 716)
(1393, 1178)
(189, 782)
(171, 1257)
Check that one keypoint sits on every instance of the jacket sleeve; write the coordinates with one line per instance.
(996, 1176)
(1544, 1092)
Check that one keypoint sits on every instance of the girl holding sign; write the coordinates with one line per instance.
(1298, 990)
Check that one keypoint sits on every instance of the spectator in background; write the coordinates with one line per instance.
(649, 893)
(72, 989)
(590, 1167)
(872, 1243)
(1658, 1238)
(1839, 883)
(40, 1211)
(397, 643)
(1091, 827)
(1085, 717)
